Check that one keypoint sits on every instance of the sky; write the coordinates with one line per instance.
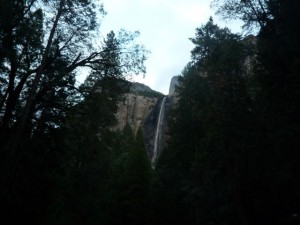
(165, 27)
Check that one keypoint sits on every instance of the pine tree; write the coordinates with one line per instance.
(129, 189)
(203, 164)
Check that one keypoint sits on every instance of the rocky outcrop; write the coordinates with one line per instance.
(140, 109)
(174, 83)
(150, 128)
(134, 109)
(140, 112)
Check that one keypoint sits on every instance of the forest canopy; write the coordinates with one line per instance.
(232, 155)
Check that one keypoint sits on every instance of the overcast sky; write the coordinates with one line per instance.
(165, 27)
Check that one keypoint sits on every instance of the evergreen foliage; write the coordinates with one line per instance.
(233, 151)
(56, 137)
(232, 155)
(128, 194)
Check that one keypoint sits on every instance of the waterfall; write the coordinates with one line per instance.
(159, 130)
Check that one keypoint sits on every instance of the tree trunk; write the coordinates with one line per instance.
(15, 142)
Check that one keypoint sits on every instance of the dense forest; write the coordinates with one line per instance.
(232, 155)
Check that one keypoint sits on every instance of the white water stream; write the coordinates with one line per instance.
(159, 130)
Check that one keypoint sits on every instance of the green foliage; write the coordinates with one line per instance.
(213, 110)
(251, 12)
(143, 90)
(232, 152)
(43, 47)
(128, 193)
(56, 137)
(150, 94)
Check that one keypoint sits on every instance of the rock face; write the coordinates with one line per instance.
(134, 109)
(173, 84)
(140, 109)
(140, 112)
(157, 131)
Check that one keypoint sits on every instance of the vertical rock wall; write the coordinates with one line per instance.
(134, 109)
(142, 112)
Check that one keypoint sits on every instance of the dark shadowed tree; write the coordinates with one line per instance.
(232, 157)
(200, 169)
(43, 44)
(128, 194)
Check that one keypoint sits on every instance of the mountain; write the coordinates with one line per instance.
(136, 106)
(174, 83)
(144, 90)
(140, 108)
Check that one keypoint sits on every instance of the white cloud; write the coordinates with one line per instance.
(165, 27)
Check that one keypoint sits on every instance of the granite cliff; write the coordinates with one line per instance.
(134, 109)
(140, 108)
(173, 84)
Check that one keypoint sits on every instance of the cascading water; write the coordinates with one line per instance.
(159, 129)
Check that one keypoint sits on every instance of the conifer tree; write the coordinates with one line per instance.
(130, 184)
